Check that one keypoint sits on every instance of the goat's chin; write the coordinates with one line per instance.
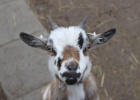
(71, 81)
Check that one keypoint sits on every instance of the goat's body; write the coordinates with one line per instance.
(69, 63)
(56, 90)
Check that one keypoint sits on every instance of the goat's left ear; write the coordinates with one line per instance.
(32, 41)
(97, 39)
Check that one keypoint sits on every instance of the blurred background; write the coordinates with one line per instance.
(116, 65)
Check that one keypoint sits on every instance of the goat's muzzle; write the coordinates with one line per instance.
(71, 77)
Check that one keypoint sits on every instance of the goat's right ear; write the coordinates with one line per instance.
(33, 41)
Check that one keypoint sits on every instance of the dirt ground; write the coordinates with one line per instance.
(117, 63)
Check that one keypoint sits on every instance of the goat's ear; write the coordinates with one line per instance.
(97, 39)
(32, 41)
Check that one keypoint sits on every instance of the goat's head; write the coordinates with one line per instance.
(69, 49)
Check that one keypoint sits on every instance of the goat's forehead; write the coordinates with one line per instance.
(66, 36)
(64, 32)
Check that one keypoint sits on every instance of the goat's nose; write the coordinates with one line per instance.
(72, 66)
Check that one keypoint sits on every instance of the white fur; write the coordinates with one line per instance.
(76, 92)
(66, 36)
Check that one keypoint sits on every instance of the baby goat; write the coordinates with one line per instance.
(70, 62)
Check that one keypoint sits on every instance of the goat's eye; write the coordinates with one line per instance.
(87, 49)
(88, 46)
(49, 48)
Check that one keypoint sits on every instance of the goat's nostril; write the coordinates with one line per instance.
(72, 67)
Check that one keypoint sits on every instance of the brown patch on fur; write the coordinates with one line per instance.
(70, 52)
(52, 53)
(86, 51)
(59, 62)
(88, 83)
(55, 62)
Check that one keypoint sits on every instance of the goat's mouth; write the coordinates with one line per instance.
(70, 81)
(71, 77)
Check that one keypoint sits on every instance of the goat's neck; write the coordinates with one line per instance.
(80, 91)
(73, 92)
